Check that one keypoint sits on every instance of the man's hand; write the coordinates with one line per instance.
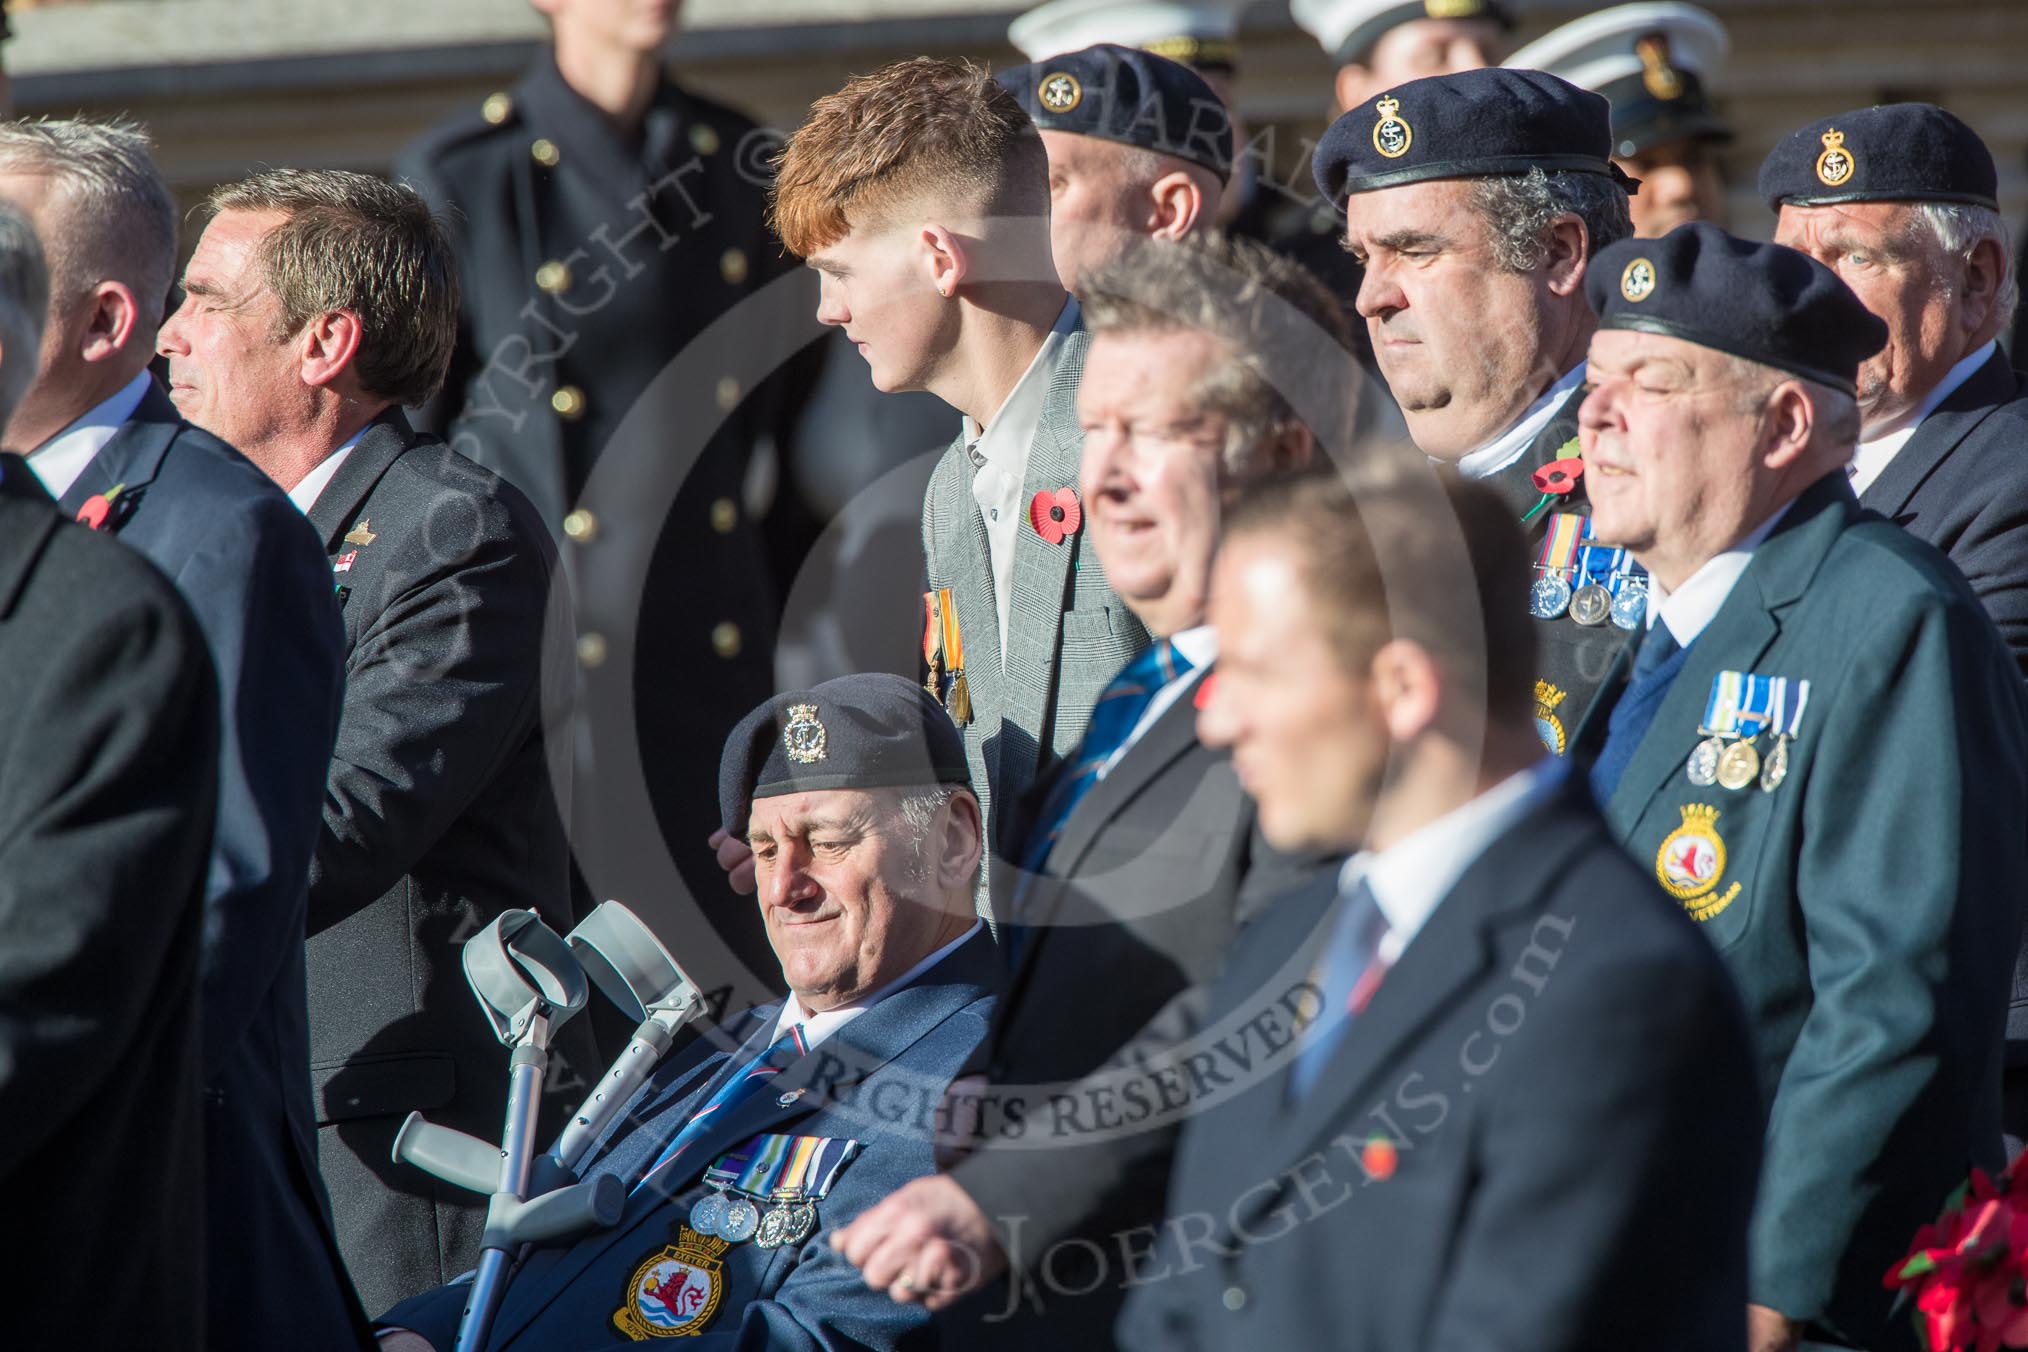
(928, 1244)
(736, 859)
(1771, 1330)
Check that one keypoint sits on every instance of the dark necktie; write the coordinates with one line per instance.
(735, 1091)
(1656, 663)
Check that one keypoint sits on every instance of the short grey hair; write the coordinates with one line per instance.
(1837, 411)
(115, 217)
(919, 808)
(1286, 333)
(1958, 228)
(24, 298)
(1519, 209)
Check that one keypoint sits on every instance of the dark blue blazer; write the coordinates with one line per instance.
(878, 1080)
(1961, 483)
(255, 574)
(1563, 1074)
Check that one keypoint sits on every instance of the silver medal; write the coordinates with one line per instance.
(1703, 766)
(774, 1227)
(742, 1218)
(802, 1223)
(1549, 597)
(708, 1215)
(1776, 768)
(1630, 607)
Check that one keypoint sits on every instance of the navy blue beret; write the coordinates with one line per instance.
(1764, 302)
(872, 731)
(1127, 95)
(1898, 152)
(1472, 124)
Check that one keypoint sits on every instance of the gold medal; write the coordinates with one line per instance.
(1739, 766)
(1591, 604)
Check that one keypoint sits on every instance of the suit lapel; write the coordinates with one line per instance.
(1167, 738)
(1992, 385)
(809, 1085)
(385, 440)
(1041, 569)
(131, 459)
(1743, 629)
(18, 553)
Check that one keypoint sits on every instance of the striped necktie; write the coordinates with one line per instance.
(1351, 971)
(786, 1049)
(1113, 720)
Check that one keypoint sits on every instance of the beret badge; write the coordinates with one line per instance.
(1060, 92)
(1836, 164)
(1637, 283)
(1391, 136)
(803, 735)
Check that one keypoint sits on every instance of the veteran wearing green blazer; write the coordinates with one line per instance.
(1818, 746)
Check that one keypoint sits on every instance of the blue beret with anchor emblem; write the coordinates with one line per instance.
(1473, 124)
(1764, 302)
(1897, 152)
(870, 731)
(1130, 96)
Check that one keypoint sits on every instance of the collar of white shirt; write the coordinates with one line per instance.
(1411, 877)
(817, 1027)
(306, 492)
(1689, 610)
(1874, 456)
(59, 461)
(1506, 448)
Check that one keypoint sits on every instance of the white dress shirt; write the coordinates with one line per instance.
(1411, 878)
(1689, 610)
(306, 492)
(817, 1027)
(1199, 647)
(1506, 448)
(1001, 454)
(59, 461)
(1874, 456)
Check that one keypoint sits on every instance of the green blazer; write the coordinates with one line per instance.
(1869, 905)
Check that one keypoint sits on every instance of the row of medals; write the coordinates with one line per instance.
(789, 1220)
(1737, 764)
(1593, 603)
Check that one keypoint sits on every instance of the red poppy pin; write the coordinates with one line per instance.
(1056, 516)
(1559, 476)
(98, 507)
(1206, 689)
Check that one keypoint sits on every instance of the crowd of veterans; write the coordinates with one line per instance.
(1436, 761)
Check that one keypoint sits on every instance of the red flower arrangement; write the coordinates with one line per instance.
(1056, 516)
(1967, 1272)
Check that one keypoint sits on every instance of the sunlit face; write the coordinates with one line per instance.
(632, 25)
(1152, 474)
(847, 904)
(1420, 48)
(1308, 739)
(1671, 456)
(1896, 268)
(231, 370)
(1097, 205)
(1458, 338)
(878, 285)
(1680, 183)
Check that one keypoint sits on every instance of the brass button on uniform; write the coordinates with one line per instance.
(545, 153)
(496, 108)
(728, 394)
(591, 649)
(732, 266)
(725, 639)
(581, 526)
(553, 277)
(704, 139)
(724, 516)
(568, 401)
